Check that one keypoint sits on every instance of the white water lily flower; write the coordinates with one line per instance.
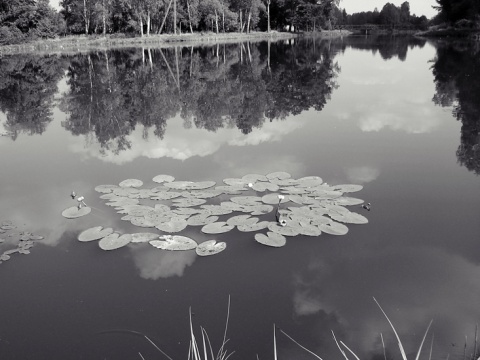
(281, 197)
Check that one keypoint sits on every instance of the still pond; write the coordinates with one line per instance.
(397, 117)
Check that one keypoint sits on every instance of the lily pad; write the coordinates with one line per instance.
(350, 218)
(142, 222)
(264, 186)
(216, 210)
(283, 230)
(333, 228)
(188, 202)
(94, 233)
(236, 182)
(163, 178)
(114, 241)
(143, 237)
(173, 226)
(131, 183)
(246, 200)
(201, 220)
(217, 228)
(271, 239)
(253, 227)
(252, 178)
(274, 199)
(174, 243)
(280, 175)
(348, 188)
(74, 212)
(105, 188)
(210, 247)
(166, 195)
(347, 201)
(241, 220)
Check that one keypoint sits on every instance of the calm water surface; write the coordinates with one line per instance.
(399, 116)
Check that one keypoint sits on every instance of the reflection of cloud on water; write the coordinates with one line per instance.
(362, 174)
(182, 144)
(413, 286)
(413, 119)
(154, 263)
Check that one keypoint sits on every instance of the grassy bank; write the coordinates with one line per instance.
(451, 32)
(82, 43)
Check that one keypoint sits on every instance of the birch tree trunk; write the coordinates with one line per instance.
(85, 16)
(216, 20)
(104, 19)
(148, 22)
(248, 22)
(189, 17)
(141, 25)
(175, 17)
(241, 25)
(268, 15)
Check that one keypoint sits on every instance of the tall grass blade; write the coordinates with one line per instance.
(141, 356)
(383, 345)
(402, 350)
(222, 351)
(195, 351)
(156, 347)
(274, 344)
(338, 345)
(204, 345)
(423, 340)
(356, 357)
(465, 349)
(209, 345)
(475, 346)
(431, 348)
(304, 348)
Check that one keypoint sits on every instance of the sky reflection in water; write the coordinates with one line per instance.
(367, 117)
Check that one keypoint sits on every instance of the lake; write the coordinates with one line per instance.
(396, 115)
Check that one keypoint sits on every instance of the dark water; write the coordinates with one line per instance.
(399, 116)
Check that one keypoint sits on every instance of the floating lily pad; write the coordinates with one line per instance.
(174, 225)
(186, 211)
(174, 243)
(140, 210)
(74, 212)
(188, 202)
(122, 201)
(105, 188)
(141, 194)
(125, 191)
(163, 178)
(166, 195)
(252, 178)
(131, 183)
(264, 186)
(142, 222)
(246, 200)
(333, 228)
(114, 241)
(350, 218)
(274, 199)
(326, 194)
(204, 194)
(241, 220)
(217, 228)
(231, 190)
(260, 209)
(283, 230)
(202, 185)
(143, 237)
(4, 257)
(280, 175)
(94, 233)
(271, 239)
(347, 201)
(201, 220)
(236, 182)
(253, 226)
(216, 210)
(348, 188)
(210, 247)
(309, 181)
(179, 185)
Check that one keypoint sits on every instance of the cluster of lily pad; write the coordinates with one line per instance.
(275, 203)
(15, 241)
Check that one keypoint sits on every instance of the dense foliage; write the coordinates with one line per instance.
(456, 10)
(457, 78)
(22, 20)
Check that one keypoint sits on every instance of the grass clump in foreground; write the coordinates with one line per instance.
(202, 350)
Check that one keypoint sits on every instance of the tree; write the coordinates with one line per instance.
(454, 10)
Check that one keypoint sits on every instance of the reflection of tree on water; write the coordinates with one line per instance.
(214, 87)
(27, 87)
(457, 79)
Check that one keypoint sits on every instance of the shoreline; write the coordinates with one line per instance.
(83, 43)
